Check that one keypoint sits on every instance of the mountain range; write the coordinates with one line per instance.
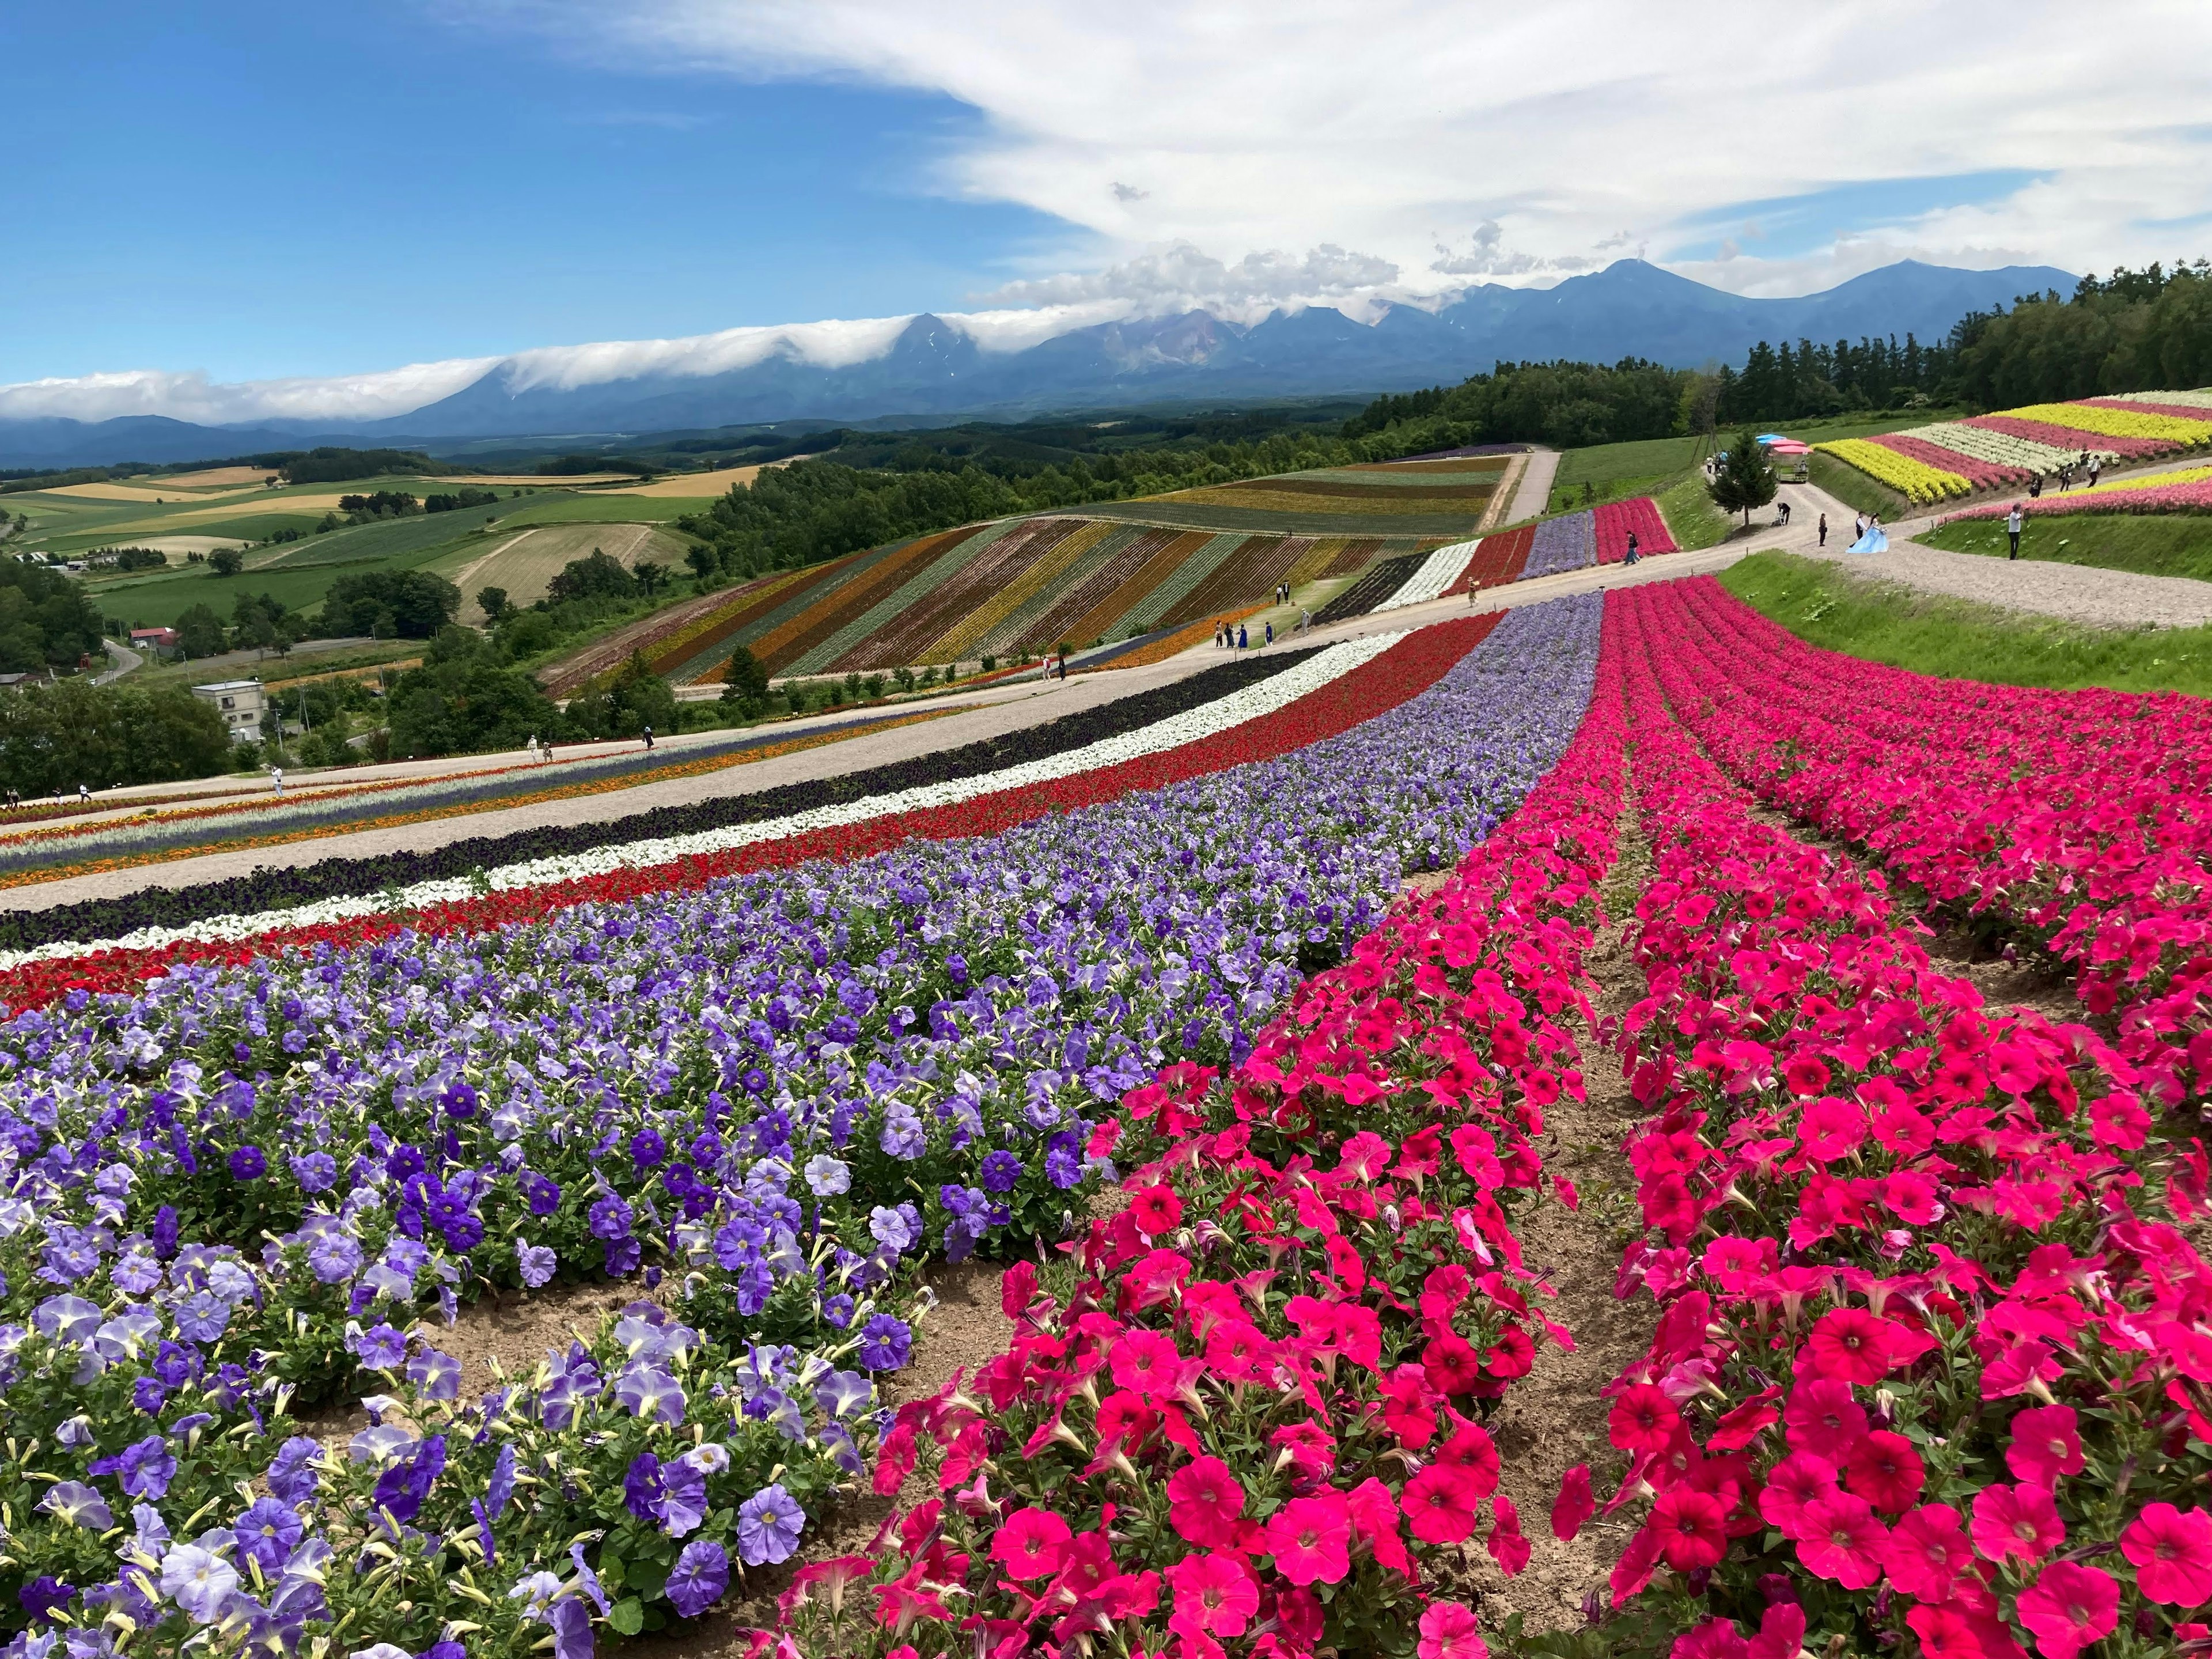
(934, 370)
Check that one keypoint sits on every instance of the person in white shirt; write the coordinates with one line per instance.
(2013, 520)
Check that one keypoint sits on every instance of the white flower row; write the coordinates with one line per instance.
(1194, 726)
(1997, 448)
(1439, 571)
(2178, 399)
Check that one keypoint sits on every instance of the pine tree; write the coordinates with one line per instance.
(1746, 480)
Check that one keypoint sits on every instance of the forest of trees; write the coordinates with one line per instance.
(57, 737)
(45, 620)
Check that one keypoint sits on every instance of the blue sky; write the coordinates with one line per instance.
(230, 209)
(270, 189)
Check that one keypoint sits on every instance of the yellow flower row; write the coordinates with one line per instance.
(2155, 481)
(1914, 480)
(2117, 422)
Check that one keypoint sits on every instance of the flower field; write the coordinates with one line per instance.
(1928, 1370)
(2184, 489)
(1952, 458)
(1019, 586)
(1925, 1361)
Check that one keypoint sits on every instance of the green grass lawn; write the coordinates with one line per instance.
(2161, 545)
(1606, 467)
(1955, 639)
(549, 507)
(1691, 514)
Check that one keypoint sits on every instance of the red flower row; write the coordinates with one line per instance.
(1616, 520)
(1882, 1221)
(2079, 817)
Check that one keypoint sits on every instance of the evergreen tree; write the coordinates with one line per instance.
(1746, 480)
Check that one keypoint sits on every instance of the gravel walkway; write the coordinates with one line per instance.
(2073, 593)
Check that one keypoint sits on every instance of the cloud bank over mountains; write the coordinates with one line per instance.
(1413, 149)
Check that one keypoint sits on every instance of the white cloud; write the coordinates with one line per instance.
(1410, 147)
(1578, 128)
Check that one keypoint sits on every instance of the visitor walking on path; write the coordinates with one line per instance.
(1782, 512)
(1630, 558)
(2096, 465)
(1243, 640)
(1824, 530)
(2013, 522)
(277, 778)
(648, 737)
(1271, 632)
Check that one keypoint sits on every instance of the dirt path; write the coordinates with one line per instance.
(1555, 1416)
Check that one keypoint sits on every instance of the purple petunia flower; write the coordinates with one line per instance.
(268, 1532)
(701, 1573)
(768, 1525)
(248, 1163)
(885, 1342)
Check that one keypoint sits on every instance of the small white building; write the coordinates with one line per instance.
(241, 704)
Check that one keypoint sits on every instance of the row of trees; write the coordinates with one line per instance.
(53, 738)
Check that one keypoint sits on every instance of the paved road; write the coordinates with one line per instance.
(130, 660)
(1534, 493)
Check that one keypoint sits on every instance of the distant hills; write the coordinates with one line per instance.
(934, 370)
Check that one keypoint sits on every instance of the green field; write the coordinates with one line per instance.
(1956, 639)
(2155, 544)
(299, 573)
(1691, 514)
(553, 507)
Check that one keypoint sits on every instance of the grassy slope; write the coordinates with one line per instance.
(2166, 545)
(1958, 640)
(1690, 516)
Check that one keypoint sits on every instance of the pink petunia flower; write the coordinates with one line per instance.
(1930, 1553)
(1644, 1419)
(1440, 1504)
(1449, 1630)
(1691, 1527)
(1824, 1419)
(1214, 1595)
(1797, 1480)
(1574, 1505)
(1884, 1469)
(1311, 1539)
(2046, 1443)
(2172, 1553)
(1204, 1501)
(2016, 1521)
(1840, 1538)
(1030, 1543)
(2069, 1607)
(1851, 1344)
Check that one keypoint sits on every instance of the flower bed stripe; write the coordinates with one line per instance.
(2077, 816)
(1246, 574)
(1938, 457)
(1981, 1294)
(338, 877)
(1566, 543)
(1152, 611)
(1366, 594)
(1434, 576)
(1610, 525)
(1280, 712)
